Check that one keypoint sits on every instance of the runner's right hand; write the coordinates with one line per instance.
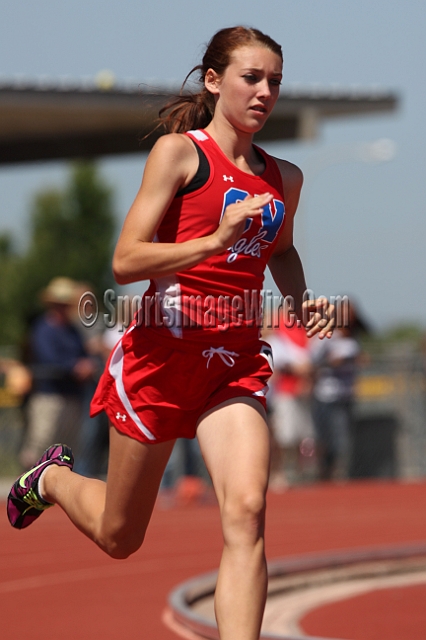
(235, 216)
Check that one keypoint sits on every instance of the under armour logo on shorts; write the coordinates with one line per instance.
(121, 416)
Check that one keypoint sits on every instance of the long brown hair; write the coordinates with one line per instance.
(195, 110)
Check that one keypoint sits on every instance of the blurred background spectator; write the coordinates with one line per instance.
(336, 362)
(60, 366)
(94, 433)
(289, 397)
(185, 478)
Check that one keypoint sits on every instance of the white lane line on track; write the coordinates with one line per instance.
(113, 571)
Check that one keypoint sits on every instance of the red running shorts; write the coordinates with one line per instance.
(156, 388)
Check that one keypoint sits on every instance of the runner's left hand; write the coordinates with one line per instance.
(319, 317)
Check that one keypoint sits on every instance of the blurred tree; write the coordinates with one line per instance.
(72, 233)
(405, 337)
(409, 333)
(6, 245)
(11, 326)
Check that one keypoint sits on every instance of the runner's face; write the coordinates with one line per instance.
(249, 88)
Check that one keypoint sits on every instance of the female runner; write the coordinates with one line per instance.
(212, 211)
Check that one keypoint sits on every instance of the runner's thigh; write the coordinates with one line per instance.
(235, 443)
(135, 470)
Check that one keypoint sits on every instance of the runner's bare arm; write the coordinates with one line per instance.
(285, 264)
(171, 165)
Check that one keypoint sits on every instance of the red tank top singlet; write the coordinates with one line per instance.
(221, 295)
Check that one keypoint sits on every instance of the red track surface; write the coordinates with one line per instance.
(388, 614)
(50, 572)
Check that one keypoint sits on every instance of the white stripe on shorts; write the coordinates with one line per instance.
(116, 370)
(262, 392)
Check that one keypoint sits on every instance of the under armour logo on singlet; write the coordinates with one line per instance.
(226, 178)
(121, 416)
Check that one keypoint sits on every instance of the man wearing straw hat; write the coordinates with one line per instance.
(60, 366)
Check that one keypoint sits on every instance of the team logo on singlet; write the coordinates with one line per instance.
(272, 220)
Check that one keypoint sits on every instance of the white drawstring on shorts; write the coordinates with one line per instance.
(226, 356)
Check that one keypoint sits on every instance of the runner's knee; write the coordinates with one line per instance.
(120, 542)
(243, 518)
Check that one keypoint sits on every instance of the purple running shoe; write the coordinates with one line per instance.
(24, 503)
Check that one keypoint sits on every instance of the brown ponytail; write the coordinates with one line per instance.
(188, 110)
(195, 110)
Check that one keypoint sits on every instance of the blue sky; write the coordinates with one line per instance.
(361, 227)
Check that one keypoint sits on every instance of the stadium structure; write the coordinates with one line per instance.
(42, 119)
